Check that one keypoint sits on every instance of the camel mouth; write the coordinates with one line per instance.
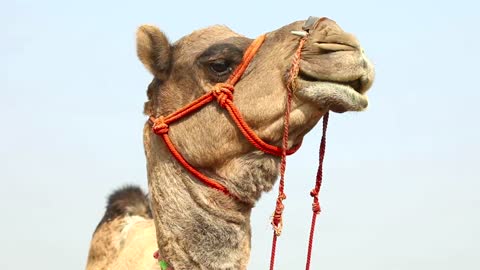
(333, 95)
(359, 84)
(335, 78)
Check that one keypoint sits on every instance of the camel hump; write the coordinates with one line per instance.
(127, 201)
(128, 209)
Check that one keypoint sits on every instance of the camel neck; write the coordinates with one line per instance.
(199, 227)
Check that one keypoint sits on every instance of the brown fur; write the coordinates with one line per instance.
(198, 227)
(126, 201)
(127, 206)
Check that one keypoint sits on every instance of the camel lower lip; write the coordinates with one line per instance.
(337, 97)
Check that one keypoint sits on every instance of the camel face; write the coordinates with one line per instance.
(334, 74)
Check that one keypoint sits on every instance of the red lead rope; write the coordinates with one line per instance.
(316, 209)
(277, 222)
(277, 215)
(316, 190)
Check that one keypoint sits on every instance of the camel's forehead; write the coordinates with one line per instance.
(201, 39)
(209, 35)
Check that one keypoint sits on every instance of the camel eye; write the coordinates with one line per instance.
(220, 67)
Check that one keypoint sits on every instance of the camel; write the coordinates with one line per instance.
(192, 225)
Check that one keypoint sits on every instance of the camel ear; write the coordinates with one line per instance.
(154, 50)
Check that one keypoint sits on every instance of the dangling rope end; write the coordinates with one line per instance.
(316, 190)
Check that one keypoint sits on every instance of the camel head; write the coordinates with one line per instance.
(334, 75)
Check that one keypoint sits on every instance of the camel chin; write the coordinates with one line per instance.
(337, 97)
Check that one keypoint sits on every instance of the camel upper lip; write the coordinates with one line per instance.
(334, 47)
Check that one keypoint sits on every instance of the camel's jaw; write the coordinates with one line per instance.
(337, 81)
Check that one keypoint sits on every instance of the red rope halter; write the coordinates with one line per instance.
(223, 93)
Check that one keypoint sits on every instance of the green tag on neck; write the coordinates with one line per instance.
(163, 264)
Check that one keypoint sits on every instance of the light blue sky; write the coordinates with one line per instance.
(401, 186)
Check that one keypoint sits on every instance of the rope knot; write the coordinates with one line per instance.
(159, 126)
(316, 207)
(277, 224)
(316, 204)
(277, 219)
(223, 92)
